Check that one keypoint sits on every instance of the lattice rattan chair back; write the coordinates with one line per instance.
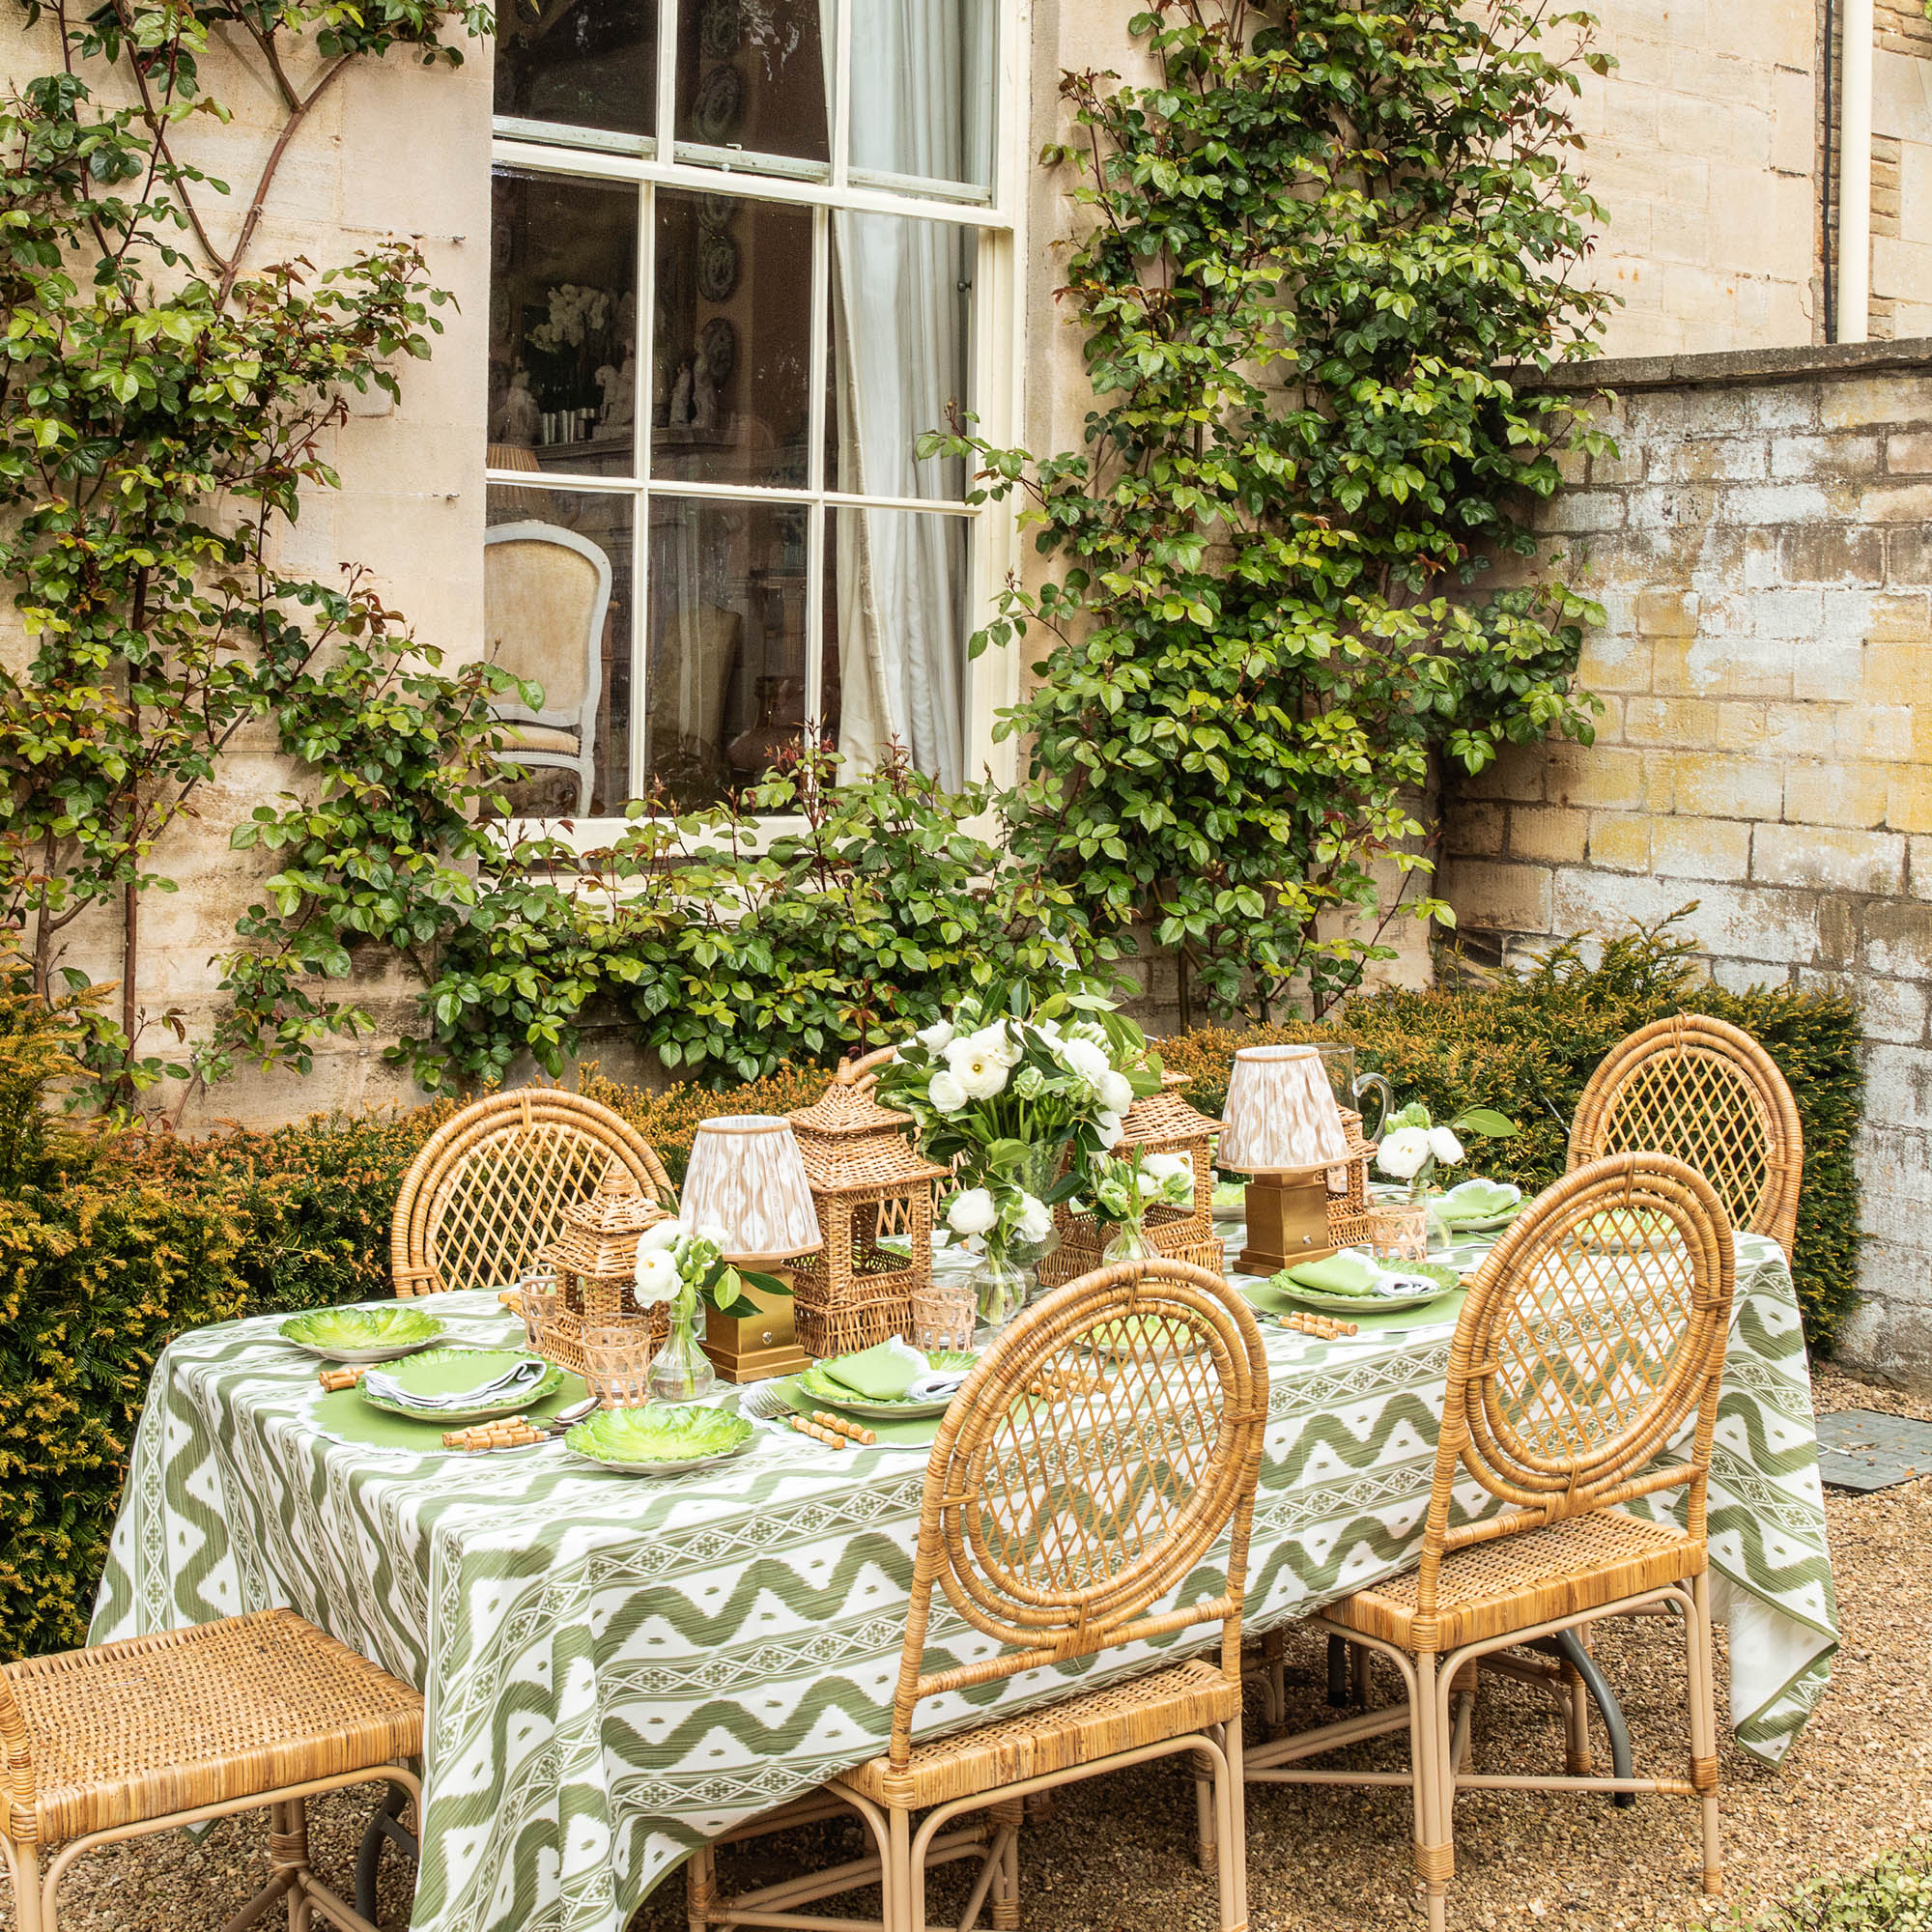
(1595, 1327)
(1706, 1091)
(486, 1193)
(1087, 1467)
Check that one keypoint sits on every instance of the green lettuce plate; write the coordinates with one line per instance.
(660, 1438)
(362, 1334)
(450, 1371)
(1333, 1302)
(816, 1385)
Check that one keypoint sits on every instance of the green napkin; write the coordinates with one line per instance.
(881, 1373)
(1340, 1273)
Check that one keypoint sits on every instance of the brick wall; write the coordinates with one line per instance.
(1762, 546)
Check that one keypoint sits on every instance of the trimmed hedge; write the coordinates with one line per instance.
(110, 1247)
(1528, 1045)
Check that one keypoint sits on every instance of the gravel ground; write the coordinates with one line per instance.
(1118, 1853)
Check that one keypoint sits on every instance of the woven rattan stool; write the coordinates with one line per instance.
(1055, 1524)
(1593, 1330)
(159, 1732)
(1706, 1091)
(486, 1195)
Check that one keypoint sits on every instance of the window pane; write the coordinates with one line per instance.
(902, 330)
(563, 324)
(896, 640)
(923, 89)
(751, 75)
(726, 695)
(733, 341)
(584, 62)
(556, 611)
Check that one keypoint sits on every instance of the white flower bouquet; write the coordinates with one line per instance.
(1007, 1085)
(1413, 1147)
(681, 1263)
(1124, 1189)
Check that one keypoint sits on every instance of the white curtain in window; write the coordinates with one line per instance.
(900, 308)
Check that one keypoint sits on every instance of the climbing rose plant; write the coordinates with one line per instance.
(1316, 247)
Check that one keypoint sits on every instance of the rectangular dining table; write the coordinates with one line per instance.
(616, 1668)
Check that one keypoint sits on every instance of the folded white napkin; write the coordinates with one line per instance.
(938, 1385)
(510, 1383)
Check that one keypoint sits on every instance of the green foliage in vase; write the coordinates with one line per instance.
(1314, 245)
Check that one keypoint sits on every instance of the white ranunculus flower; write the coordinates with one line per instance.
(976, 1070)
(661, 1235)
(946, 1093)
(997, 1041)
(657, 1278)
(971, 1211)
(1168, 1166)
(1117, 1091)
(937, 1037)
(1148, 1182)
(1109, 1128)
(1403, 1153)
(1090, 1062)
(1036, 1222)
(1444, 1146)
(718, 1237)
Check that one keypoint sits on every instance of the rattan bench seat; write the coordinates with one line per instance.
(1171, 1703)
(1535, 1577)
(159, 1724)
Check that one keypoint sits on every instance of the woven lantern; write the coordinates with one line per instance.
(1349, 1187)
(867, 1181)
(1160, 1123)
(595, 1262)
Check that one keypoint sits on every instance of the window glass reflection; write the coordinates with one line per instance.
(895, 665)
(923, 89)
(563, 321)
(732, 336)
(558, 609)
(580, 62)
(751, 74)
(726, 687)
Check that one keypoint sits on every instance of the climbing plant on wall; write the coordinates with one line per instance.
(1314, 245)
(163, 408)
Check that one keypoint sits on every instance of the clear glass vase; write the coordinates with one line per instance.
(1001, 1284)
(681, 1370)
(1128, 1242)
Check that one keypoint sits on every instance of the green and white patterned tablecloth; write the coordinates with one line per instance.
(618, 1668)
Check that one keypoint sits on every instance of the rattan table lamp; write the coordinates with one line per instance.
(748, 1178)
(1281, 1127)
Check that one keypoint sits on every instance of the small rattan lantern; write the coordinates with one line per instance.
(1160, 1123)
(1349, 1187)
(867, 1181)
(594, 1262)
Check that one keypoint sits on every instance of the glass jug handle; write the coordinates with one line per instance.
(1375, 1084)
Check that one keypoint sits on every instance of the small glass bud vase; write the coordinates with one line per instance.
(1128, 1242)
(681, 1370)
(1001, 1286)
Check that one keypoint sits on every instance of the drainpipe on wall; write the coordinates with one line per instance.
(1854, 139)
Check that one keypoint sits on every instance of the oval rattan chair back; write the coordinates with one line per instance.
(1093, 1458)
(486, 1193)
(1595, 1327)
(1706, 1091)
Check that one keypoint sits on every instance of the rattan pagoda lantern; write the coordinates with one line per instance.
(1160, 1123)
(868, 1180)
(593, 1264)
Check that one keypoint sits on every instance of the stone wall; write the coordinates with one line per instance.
(1762, 546)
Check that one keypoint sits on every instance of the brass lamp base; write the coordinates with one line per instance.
(754, 1348)
(1287, 1222)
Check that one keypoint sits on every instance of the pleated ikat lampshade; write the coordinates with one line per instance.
(748, 1177)
(1280, 1116)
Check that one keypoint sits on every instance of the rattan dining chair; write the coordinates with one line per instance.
(1593, 1330)
(1080, 1481)
(1706, 1091)
(486, 1193)
(154, 1732)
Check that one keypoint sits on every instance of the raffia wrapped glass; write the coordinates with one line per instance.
(1160, 1123)
(595, 1263)
(867, 1181)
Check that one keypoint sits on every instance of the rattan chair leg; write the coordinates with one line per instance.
(904, 1882)
(1206, 1832)
(1275, 1680)
(23, 1872)
(1702, 1670)
(1435, 1850)
(1360, 1685)
(1230, 1735)
(700, 1887)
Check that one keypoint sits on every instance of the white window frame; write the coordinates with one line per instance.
(997, 214)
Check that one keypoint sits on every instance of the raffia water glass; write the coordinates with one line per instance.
(946, 1310)
(1399, 1231)
(617, 1365)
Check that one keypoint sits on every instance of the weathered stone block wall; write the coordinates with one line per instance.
(1763, 548)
